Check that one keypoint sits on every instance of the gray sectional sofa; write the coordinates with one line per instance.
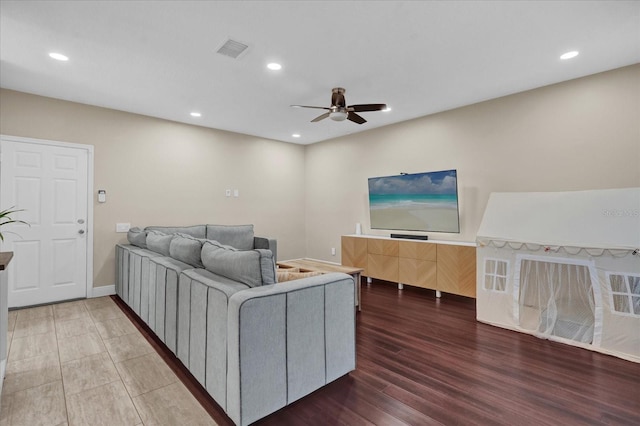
(209, 292)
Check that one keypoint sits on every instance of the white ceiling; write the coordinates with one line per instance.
(158, 58)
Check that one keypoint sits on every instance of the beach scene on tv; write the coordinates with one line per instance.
(415, 202)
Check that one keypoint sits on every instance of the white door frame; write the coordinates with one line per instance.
(89, 149)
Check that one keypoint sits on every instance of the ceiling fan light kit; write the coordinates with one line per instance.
(339, 111)
(338, 115)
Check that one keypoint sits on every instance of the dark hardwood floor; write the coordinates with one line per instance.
(423, 361)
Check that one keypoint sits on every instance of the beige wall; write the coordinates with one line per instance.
(161, 172)
(581, 134)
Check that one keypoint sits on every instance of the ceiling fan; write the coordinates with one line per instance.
(339, 111)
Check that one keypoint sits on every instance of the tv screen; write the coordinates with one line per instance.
(415, 202)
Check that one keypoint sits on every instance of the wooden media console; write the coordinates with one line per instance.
(443, 266)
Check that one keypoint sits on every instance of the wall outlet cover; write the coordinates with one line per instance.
(123, 227)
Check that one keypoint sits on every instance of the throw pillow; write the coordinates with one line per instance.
(159, 242)
(251, 267)
(187, 249)
(137, 237)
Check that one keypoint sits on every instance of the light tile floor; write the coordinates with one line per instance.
(85, 363)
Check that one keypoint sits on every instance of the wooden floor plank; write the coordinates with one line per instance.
(424, 361)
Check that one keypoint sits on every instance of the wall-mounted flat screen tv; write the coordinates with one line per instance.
(415, 202)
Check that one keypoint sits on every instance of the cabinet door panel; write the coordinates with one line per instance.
(354, 252)
(382, 267)
(416, 250)
(419, 273)
(457, 269)
(384, 247)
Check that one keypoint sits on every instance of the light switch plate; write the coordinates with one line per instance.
(123, 227)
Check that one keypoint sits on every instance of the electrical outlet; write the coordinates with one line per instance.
(123, 227)
(333, 251)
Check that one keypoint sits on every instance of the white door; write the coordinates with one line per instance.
(50, 183)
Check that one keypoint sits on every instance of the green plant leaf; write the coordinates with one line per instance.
(6, 219)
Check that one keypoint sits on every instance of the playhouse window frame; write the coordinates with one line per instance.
(627, 293)
(494, 276)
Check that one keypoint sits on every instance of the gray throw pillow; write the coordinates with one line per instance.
(237, 236)
(187, 249)
(159, 242)
(137, 237)
(251, 267)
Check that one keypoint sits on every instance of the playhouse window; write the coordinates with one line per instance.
(495, 275)
(625, 292)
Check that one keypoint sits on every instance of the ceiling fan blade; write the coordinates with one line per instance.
(320, 117)
(367, 107)
(307, 106)
(337, 99)
(356, 118)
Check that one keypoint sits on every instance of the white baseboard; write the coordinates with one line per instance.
(105, 290)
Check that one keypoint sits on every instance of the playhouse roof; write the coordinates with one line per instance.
(604, 218)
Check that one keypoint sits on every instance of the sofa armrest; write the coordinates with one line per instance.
(286, 340)
(267, 244)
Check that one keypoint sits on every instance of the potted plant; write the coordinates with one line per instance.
(5, 219)
(5, 258)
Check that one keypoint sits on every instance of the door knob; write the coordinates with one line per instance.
(81, 231)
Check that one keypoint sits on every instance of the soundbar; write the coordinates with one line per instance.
(410, 237)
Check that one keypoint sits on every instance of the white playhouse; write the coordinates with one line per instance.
(563, 266)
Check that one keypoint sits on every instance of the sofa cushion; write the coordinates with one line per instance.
(137, 237)
(238, 236)
(197, 231)
(187, 249)
(251, 267)
(159, 242)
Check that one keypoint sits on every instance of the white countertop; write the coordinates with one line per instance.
(429, 241)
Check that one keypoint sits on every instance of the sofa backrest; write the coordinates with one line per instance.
(198, 231)
(237, 236)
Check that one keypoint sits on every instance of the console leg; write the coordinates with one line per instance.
(359, 287)
(438, 294)
(400, 286)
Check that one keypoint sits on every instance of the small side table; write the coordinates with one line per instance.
(312, 265)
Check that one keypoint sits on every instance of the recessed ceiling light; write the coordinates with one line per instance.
(58, 56)
(387, 109)
(274, 66)
(570, 55)
(196, 114)
(295, 135)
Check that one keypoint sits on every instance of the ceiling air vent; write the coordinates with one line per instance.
(232, 48)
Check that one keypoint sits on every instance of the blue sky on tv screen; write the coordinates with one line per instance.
(430, 183)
